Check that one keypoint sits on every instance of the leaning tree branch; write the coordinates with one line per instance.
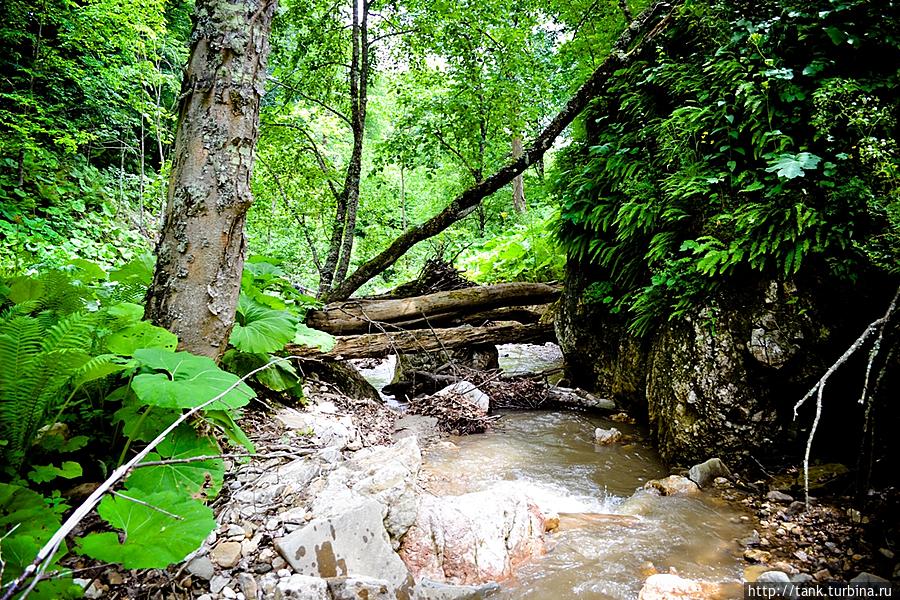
(819, 388)
(46, 553)
(644, 29)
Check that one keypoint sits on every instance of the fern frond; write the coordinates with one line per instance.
(74, 332)
(20, 345)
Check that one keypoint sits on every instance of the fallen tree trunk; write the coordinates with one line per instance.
(379, 345)
(439, 308)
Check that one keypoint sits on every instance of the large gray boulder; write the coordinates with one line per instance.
(475, 538)
(386, 474)
(351, 543)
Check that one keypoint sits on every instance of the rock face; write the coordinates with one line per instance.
(600, 355)
(386, 474)
(712, 382)
(474, 538)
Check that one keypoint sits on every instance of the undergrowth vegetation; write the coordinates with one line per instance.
(749, 145)
(85, 383)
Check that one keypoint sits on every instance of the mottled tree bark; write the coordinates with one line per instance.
(518, 183)
(200, 254)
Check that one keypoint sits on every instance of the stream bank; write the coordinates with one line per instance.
(360, 501)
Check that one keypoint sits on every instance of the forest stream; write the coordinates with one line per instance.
(552, 455)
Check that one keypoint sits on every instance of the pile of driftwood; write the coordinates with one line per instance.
(455, 413)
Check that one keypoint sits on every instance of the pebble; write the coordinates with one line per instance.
(777, 496)
(759, 556)
(201, 567)
(235, 531)
(278, 564)
(204, 597)
(262, 568)
(822, 575)
(284, 573)
(248, 585)
(217, 584)
(226, 554)
(228, 592)
(115, 578)
(267, 583)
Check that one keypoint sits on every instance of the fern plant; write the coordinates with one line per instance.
(738, 149)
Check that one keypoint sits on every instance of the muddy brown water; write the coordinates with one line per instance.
(551, 455)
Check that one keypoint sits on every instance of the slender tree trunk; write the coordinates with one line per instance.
(637, 37)
(402, 199)
(200, 255)
(518, 182)
(340, 246)
(358, 117)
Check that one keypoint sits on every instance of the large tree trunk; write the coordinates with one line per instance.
(375, 345)
(200, 254)
(645, 28)
(359, 316)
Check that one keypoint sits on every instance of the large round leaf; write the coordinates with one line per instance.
(202, 479)
(186, 381)
(160, 530)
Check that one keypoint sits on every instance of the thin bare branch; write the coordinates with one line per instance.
(316, 101)
(146, 504)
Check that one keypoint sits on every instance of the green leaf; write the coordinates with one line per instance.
(261, 329)
(791, 166)
(166, 516)
(314, 338)
(26, 523)
(137, 270)
(87, 271)
(143, 423)
(98, 368)
(127, 312)
(230, 428)
(202, 479)
(140, 335)
(186, 381)
(45, 473)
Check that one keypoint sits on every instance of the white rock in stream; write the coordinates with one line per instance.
(665, 586)
(474, 538)
(386, 474)
(470, 392)
(605, 437)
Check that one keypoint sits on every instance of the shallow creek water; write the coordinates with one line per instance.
(551, 455)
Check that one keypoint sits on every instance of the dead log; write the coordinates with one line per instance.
(437, 309)
(373, 345)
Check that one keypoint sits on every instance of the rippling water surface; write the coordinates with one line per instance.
(553, 457)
